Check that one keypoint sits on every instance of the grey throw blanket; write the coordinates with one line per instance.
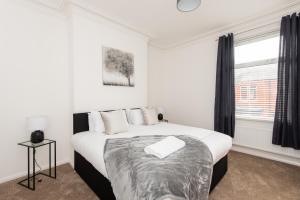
(135, 175)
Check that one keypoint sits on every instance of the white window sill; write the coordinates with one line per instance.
(254, 119)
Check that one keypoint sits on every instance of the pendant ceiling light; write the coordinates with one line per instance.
(188, 5)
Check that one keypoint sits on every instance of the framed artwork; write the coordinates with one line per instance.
(118, 67)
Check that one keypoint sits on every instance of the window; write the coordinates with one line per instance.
(256, 78)
(244, 93)
(247, 93)
(252, 92)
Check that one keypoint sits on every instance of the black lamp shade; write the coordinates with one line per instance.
(37, 136)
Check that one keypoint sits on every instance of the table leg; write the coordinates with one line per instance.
(28, 167)
(33, 166)
(55, 159)
(50, 159)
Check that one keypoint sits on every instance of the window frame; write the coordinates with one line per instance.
(256, 63)
(242, 42)
(253, 88)
(244, 89)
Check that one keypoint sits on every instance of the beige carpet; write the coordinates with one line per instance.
(248, 178)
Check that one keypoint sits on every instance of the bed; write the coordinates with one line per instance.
(89, 163)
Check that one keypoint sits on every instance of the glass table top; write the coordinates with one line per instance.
(30, 144)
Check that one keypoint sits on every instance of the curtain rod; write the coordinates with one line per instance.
(255, 28)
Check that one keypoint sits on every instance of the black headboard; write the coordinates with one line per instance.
(81, 121)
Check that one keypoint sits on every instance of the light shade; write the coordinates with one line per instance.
(160, 110)
(188, 5)
(37, 123)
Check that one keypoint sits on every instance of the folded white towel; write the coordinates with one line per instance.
(165, 147)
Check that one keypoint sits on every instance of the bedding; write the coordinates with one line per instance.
(135, 175)
(114, 122)
(150, 116)
(91, 146)
(135, 116)
(95, 122)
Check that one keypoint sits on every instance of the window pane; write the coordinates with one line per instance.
(255, 51)
(256, 78)
(244, 92)
(253, 92)
(255, 89)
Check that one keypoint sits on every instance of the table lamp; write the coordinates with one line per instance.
(37, 125)
(160, 111)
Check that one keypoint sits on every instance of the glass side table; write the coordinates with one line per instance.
(33, 146)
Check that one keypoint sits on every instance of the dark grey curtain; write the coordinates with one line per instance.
(286, 130)
(224, 120)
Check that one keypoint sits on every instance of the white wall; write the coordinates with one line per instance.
(51, 65)
(186, 85)
(34, 80)
(89, 34)
(186, 89)
(255, 137)
(156, 73)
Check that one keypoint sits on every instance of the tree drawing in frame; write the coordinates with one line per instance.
(118, 67)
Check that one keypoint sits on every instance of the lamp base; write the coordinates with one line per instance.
(160, 116)
(37, 136)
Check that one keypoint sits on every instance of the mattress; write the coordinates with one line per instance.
(91, 144)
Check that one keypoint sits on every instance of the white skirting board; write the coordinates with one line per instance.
(267, 154)
(24, 173)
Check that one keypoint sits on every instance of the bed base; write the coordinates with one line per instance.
(102, 187)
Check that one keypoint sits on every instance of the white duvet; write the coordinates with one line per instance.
(91, 144)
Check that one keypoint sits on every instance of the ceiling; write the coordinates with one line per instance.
(166, 26)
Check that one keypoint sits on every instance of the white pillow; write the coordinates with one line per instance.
(115, 122)
(150, 116)
(125, 116)
(135, 116)
(95, 122)
(91, 123)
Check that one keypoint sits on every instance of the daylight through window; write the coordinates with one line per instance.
(256, 78)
